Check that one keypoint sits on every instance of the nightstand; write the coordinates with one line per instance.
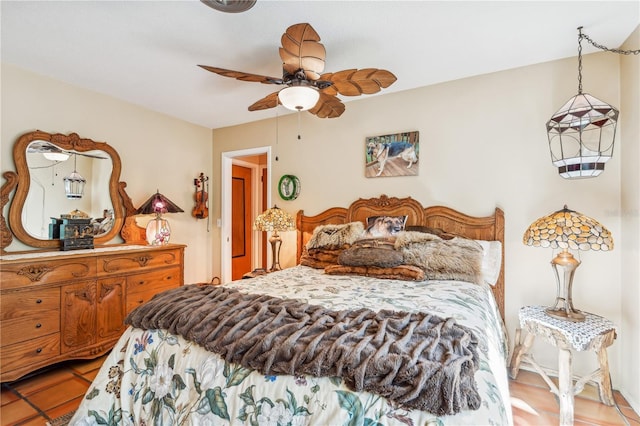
(595, 333)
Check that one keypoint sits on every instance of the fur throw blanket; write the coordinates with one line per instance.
(418, 360)
(454, 259)
(333, 236)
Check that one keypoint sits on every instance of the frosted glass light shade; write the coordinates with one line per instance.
(56, 156)
(299, 98)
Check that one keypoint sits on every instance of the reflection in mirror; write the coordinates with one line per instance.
(42, 162)
(47, 198)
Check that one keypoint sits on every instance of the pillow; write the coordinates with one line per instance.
(428, 230)
(384, 226)
(491, 260)
(319, 258)
(400, 272)
(333, 236)
(371, 252)
(456, 259)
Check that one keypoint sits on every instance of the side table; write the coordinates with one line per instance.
(595, 333)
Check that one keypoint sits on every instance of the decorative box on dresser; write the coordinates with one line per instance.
(57, 306)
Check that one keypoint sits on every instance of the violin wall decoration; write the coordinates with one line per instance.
(201, 209)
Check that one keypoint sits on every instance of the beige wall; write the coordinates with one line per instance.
(157, 151)
(482, 144)
(630, 208)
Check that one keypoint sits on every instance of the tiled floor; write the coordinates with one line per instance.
(52, 393)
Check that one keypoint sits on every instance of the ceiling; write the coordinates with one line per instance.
(147, 52)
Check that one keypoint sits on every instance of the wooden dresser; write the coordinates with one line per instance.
(57, 306)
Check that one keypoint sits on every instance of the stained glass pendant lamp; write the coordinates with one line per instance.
(582, 132)
(74, 183)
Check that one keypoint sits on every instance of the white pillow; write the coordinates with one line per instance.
(491, 260)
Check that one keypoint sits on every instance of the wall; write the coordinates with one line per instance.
(157, 151)
(483, 144)
(630, 208)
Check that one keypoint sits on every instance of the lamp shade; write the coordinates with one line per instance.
(274, 220)
(158, 204)
(568, 229)
(56, 156)
(581, 136)
(299, 98)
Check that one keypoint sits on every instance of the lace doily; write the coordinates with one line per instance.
(578, 334)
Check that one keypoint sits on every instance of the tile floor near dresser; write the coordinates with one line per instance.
(48, 394)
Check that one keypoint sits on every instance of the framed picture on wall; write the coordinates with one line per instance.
(392, 155)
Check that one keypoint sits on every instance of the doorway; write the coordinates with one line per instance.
(246, 184)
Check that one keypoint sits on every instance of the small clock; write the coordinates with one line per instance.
(289, 187)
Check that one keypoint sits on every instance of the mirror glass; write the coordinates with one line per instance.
(47, 199)
(42, 161)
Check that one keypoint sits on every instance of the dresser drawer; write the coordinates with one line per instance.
(32, 352)
(30, 326)
(138, 262)
(142, 287)
(20, 303)
(21, 274)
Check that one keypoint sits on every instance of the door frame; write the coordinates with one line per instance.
(228, 159)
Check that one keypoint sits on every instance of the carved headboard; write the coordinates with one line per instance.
(490, 228)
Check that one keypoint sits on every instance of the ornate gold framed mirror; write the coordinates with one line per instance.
(40, 196)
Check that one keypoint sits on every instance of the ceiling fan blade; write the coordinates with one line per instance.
(356, 82)
(301, 50)
(328, 106)
(85, 155)
(48, 147)
(269, 101)
(243, 76)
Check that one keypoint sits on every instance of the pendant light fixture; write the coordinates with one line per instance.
(74, 183)
(582, 132)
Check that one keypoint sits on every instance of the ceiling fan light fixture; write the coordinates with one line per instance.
(56, 156)
(230, 6)
(299, 98)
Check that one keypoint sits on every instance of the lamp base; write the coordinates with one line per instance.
(564, 265)
(158, 232)
(565, 314)
(276, 243)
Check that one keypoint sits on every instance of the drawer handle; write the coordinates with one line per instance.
(39, 301)
(38, 325)
(39, 350)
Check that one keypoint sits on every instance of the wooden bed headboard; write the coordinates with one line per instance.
(490, 228)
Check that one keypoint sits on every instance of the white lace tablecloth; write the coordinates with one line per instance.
(578, 334)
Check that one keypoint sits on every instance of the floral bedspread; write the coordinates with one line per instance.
(156, 378)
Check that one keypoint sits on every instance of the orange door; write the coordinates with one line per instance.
(241, 221)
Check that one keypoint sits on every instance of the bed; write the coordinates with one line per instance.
(185, 359)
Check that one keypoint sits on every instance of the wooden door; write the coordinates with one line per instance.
(241, 221)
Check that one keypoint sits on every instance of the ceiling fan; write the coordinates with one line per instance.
(307, 88)
(45, 148)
